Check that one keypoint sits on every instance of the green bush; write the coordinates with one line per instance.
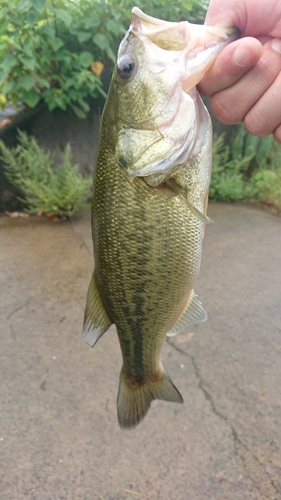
(43, 188)
(48, 47)
(248, 167)
(227, 173)
(267, 181)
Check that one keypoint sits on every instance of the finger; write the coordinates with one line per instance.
(231, 105)
(265, 116)
(231, 64)
(277, 134)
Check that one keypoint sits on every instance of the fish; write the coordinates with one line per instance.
(150, 196)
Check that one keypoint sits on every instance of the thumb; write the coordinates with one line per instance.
(231, 64)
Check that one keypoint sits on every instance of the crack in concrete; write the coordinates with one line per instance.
(18, 309)
(81, 236)
(236, 439)
(87, 248)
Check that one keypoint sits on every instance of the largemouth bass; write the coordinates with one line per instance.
(149, 202)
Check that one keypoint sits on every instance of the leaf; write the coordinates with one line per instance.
(3, 12)
(44, 82)
(8, 63)
(10, 86)
(4, 23)
(31, 97)
(48, 30)
(78, 111)
(97, 68)
(85, 58)
(23, 5)
(29, 63)
(85, 105)
(32, 17)
(63, 15)
(28, 51)
(55, 42)
(101, 41)
(26, 82)
(110, 54)
(3, 100)
(92, 22)
(38, 5)
(114, 26)
(84, 36)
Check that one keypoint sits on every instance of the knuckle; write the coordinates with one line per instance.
(225, 110)
(256, 127)
(268, 68)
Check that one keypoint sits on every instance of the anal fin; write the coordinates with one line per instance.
(96, 320)
(192, 314)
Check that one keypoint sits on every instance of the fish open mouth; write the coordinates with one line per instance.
(173, 58)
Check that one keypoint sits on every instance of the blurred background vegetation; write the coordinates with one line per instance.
(54, 51)
(49, 49)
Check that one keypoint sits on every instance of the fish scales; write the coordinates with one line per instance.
(138, 234)
(148, 213)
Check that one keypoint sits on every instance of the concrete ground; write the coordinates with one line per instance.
(59, 437)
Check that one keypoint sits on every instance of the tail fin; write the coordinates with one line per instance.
(133, 401)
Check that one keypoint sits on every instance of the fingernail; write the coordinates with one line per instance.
(242, 57)
(276, 44)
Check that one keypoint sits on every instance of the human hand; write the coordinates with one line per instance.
(244, 83)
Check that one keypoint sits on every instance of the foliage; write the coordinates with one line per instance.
(193, 11)
(268, 181)
(48, 47)
(42, 187)
(247, 167)
(227, 174)
(43, 56)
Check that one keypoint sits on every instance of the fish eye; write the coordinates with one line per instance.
(125, 67)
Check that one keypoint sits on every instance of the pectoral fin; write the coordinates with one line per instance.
(192, 314)
(178, 190)
(199, 215)
(96, 320)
